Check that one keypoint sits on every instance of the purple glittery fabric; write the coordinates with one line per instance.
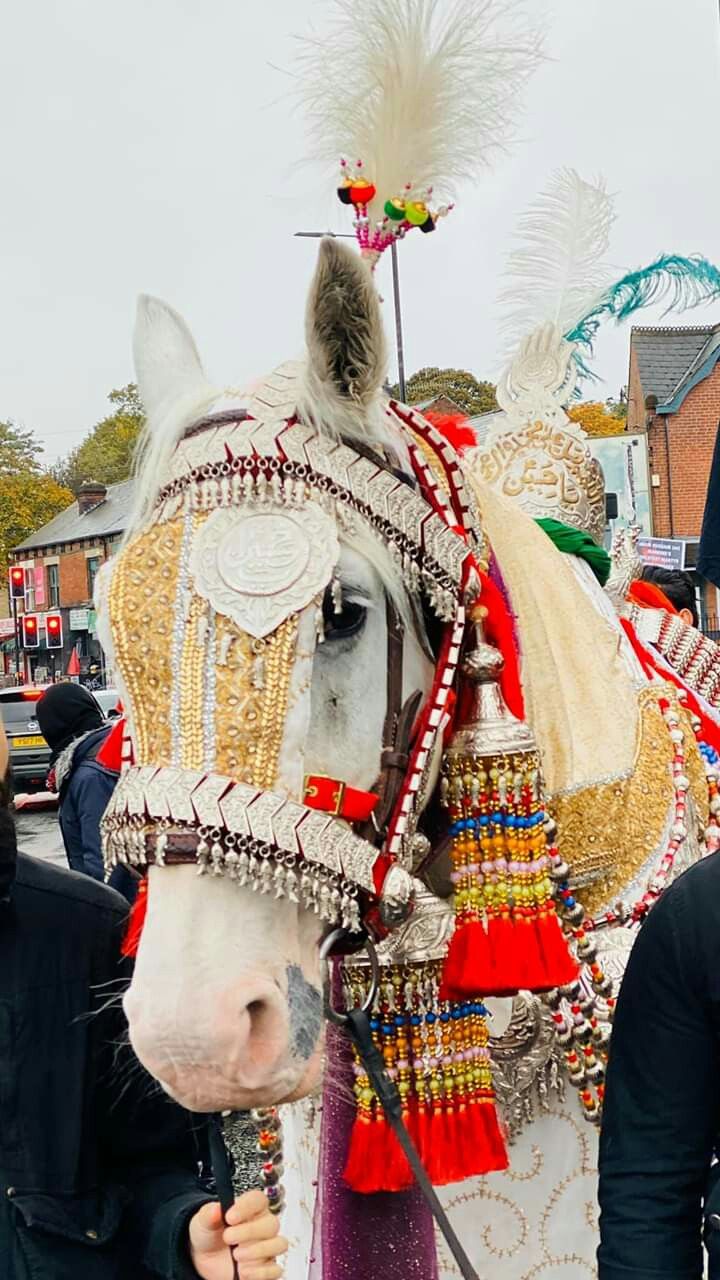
(358, 1237)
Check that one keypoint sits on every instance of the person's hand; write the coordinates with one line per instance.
(251, 1233)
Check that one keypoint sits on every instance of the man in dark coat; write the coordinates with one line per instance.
(662, 1106)
(75, 728)
(99, 1172)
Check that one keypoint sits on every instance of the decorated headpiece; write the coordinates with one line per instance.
(413, 97)
(557, 296)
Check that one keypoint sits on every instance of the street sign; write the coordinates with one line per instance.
(662, 553)
(78, 620)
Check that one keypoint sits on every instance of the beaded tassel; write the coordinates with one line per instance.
(437, 1054)
(507, 934)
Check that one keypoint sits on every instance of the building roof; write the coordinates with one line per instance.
(102, 521)
(671, 360)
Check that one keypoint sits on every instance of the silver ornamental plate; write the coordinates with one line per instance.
(258, 567)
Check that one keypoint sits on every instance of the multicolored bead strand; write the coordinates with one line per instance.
(437, 1054)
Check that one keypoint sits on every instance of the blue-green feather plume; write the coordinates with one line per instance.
(682, 282)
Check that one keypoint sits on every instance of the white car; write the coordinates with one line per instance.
(108, 700)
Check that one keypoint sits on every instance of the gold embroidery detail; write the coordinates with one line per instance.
(192, 683)
(252, 694)
(141, 605)
(609, 831)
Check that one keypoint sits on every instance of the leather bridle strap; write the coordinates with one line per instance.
(399, 721)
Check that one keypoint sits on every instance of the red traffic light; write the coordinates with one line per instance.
(54, 630)
(17, 582)
(30, 631)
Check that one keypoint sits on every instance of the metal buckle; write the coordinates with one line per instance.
(310, 791)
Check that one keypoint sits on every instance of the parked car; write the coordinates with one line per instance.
(108, 699)
(29, 752)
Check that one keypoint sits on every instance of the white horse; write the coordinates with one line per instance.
(225, 1005)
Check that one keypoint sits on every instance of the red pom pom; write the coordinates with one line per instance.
(455, 428)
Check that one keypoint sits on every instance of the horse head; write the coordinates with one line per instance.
(295, 554)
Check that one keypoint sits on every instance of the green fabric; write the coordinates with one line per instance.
(575, 543)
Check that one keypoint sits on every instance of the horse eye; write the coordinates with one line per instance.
(345, 623)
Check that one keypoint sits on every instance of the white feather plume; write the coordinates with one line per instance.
(561, 267)
(423, 92)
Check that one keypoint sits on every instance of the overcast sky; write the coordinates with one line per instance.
(148, 145)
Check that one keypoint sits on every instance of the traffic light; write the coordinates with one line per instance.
(30, 631)
(54, 630)
(17, 582)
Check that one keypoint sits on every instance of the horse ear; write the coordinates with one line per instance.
(344, 328)
(167, 364)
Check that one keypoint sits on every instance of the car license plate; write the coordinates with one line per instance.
(37, 741)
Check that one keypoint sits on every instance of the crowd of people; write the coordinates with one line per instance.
(102, 1176)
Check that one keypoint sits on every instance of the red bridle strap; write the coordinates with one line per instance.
(333, 796)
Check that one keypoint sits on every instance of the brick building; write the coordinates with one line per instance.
(61, 561)
(674, 395)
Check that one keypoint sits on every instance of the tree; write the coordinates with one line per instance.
(18, 449)
(470, 395)
(28, 499)
(596, 418)
(106, 453)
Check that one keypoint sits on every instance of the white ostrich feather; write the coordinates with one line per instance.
(561, 267)
(423, 92)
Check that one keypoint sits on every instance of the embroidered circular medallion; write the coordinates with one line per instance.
(263, 554)
(260, 566)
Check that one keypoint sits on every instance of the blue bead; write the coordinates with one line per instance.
(374, 1024)
(445, 1016)
(484, 820)
(388, 1029)
(569, 901)
(399, 1020)
(431, 1017)
(415, 1020)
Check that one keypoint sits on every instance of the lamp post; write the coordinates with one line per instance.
(399, 347)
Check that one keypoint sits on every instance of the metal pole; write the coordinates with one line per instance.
(17, 641)
(398, 320)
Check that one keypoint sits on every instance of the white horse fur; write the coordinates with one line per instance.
(237, 1046)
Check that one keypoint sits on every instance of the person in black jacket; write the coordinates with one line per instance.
(99, 1173)
(75, 728)
(662, 1106)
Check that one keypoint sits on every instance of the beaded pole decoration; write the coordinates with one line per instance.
(401, 212)
(437, 1054)
(507, 933)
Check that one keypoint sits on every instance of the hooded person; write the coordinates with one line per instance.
(75, 729)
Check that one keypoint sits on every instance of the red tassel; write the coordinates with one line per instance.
(437, 1153)
(131, 941)
(506, 969)
(366, 1156)
(532, 968)
(396, 1172)
(468, 964)
(560, 967)
(489, 1143)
